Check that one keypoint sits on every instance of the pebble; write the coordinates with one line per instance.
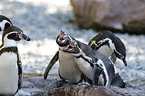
(42, 20)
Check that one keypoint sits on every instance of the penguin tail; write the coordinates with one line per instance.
(96, 73)
(118, 81)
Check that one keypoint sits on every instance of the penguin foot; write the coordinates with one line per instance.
(60, 83)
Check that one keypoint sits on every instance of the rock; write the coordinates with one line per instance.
(134, 87)
(82, 90)
(109, 14)
(136, 26)
(34, 83)
(89, 11)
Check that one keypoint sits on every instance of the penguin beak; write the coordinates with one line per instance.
(26, 37)
(120, 57)
(23, 36)
(124, 61)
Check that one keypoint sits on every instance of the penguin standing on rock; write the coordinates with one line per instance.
(68, 69)
(109, 45)
(95, 66)
(10, 65)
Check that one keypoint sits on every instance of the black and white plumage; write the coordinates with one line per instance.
(109, 45)
(68, 69)
(10, 65)
(4, 23)
(95, 66)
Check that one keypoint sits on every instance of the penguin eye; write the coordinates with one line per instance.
(6, 26)
(91, 61)
(101, 65)
(70, 46)
(13, 36)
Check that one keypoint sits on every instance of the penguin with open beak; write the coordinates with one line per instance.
(98, 68)
(109, 45)
(10, 64)
(68, 69)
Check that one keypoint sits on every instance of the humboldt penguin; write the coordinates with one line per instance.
(109, 45)
(98, 68)
(10, 65)
(68, 69)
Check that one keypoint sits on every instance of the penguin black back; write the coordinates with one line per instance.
(4, 24)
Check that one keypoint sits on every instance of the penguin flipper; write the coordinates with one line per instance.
(96, 73)
(50, 65)
(117, 81)
(20, 73)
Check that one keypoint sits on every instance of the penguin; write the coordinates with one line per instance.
(5, 23)
(68, 69)
(98, 68)
(10, 65)
(109, 45)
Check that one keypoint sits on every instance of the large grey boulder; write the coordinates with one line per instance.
(109, 14)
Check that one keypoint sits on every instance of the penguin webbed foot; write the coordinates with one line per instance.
(63, 82)
(97, 70)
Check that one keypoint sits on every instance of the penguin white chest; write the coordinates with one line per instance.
(8, 73)
(68, 67)
(105, 50)
(84, 67)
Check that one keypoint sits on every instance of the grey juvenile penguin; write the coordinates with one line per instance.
(10, 65)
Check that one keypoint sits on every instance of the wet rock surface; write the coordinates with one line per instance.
(109, 14)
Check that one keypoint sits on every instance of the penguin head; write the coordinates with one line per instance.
(13, 34)
(121, 56)
(105, 41)
(62, 39)
(4, 23)
(72, 48)
(67, 43)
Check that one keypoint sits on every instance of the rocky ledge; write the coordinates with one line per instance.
(80, 90)
(35, 85)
